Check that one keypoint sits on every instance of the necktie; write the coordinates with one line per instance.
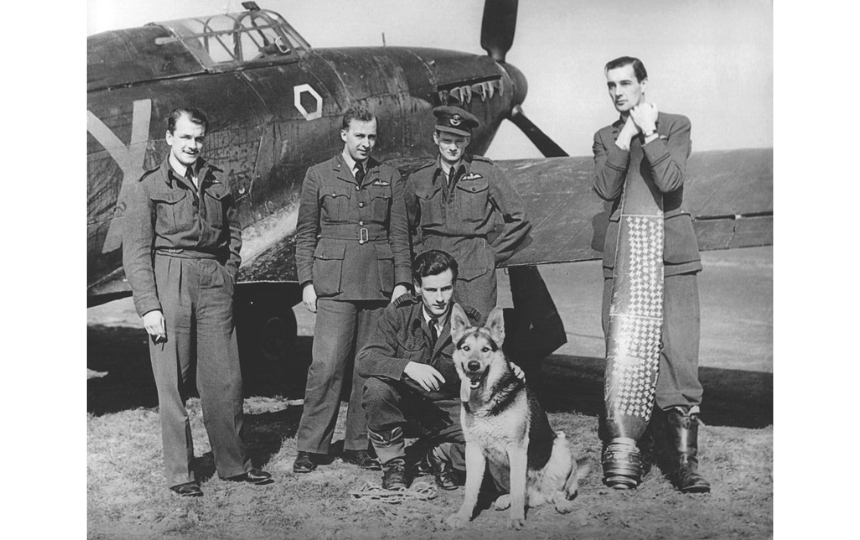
(359, 173)
(190, 176)
(434, 335)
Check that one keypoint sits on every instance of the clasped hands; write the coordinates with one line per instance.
(642, 119)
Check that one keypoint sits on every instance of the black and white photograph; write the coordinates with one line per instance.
(452, 269)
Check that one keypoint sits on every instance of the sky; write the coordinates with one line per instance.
(709, 60)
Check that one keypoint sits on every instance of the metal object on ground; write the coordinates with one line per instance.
(636, 312)
(418, 491)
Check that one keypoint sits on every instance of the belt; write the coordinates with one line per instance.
(185, 253)
(352, 232)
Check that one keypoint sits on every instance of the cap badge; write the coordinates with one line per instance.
(456, 120)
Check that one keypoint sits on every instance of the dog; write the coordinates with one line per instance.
(505, 428)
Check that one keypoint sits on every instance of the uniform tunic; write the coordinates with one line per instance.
(477, 217)
(664, 160)
(352, 244)
(181, 254)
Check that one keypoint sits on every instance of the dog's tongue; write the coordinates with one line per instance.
(465, 389)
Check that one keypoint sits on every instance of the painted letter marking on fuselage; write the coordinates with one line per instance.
(129, 158)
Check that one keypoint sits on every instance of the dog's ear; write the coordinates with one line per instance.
(496, 325)
(459, 323)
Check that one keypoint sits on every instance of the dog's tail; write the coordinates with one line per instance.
(579, 471)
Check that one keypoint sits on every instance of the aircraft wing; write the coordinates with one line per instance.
(729, 194)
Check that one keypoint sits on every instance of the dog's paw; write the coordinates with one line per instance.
(503, 502)
(516, 523)
(564, 506)
(456, 521)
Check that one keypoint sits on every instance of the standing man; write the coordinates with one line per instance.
(352, 254)
(645, 145)
(411, 376)
(181, 243)
(455, 205)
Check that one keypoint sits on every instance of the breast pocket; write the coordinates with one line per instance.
(172, 212)
(334, 203)
(380, 202)
(216, 203)
(412, 346)
(430, 202)
(473, 199)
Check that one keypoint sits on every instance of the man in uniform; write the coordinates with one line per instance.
(352, 254)
(645, 142)
(464, 205)
(411, 376)
(181, 241)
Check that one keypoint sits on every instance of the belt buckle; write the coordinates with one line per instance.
(363, 235)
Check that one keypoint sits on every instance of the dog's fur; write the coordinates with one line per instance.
(505, 428)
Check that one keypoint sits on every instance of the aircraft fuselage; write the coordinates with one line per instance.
(269, 122)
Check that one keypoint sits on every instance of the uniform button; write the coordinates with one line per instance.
(361, 241)
(361, 223)
(361, 205)
(357, 188)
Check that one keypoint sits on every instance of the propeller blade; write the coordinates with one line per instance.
(540, 139)
(498, 26)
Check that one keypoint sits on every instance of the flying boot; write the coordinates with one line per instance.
(647, 444)
(390, 448)
(683, 427)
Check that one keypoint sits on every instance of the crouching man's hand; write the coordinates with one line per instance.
(426, 375)
(521, 375)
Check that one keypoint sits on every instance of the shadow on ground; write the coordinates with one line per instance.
(565, 383)
(123, 353)
(732, 397)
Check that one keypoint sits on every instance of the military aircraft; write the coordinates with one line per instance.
(276, 105)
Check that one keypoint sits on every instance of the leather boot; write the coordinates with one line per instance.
(647, 446)
(683, 427)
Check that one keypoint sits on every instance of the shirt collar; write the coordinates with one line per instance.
(465, 161)
(440, 323)
(178, 167)
(350, 163)
(178, 170)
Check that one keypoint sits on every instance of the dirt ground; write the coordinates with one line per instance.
(126, 496)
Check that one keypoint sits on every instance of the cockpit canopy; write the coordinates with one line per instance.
(235, 38)
(157, 51)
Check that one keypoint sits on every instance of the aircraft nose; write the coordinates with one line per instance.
(518, 80)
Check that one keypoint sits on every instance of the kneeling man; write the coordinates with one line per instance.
(411, 376)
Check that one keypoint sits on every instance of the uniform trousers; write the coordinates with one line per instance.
(678, 379)
(196, 296)
(479, 293)
(342, 328)
(391, 404)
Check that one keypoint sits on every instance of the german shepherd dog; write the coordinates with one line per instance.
(505, 428)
